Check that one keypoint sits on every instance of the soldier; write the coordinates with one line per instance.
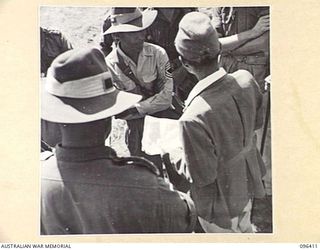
(53, 43)
(244, 36)
(163, 32)
(217, 130)
(85, 187)
(138, 67)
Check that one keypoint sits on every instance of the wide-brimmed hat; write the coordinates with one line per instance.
(197, 38)
(78, 89)
(130, 20)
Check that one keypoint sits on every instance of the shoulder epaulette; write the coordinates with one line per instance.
(136, 160)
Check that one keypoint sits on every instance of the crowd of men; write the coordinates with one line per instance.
(206, 71)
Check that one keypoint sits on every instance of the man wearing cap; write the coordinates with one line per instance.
(85, 187)
(217, 130)
(138, 67)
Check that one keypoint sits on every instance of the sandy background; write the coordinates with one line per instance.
(295, 121)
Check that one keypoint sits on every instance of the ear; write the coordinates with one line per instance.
(184, 62)
(187, 65)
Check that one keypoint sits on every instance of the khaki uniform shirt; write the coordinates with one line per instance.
(152, 68)
(229, 21)
(233, 20)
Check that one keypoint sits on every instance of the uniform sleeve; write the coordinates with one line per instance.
(177, 210)
(199, 152)
(161, 100)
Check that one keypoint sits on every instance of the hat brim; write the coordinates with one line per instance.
(71, 110)
(148, 17)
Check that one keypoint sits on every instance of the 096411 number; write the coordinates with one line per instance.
(308, 245)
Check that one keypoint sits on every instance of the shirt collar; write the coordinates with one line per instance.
(205, 83)
(127, 59)
(83, 154)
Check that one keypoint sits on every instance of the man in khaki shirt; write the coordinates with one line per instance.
(138, 67)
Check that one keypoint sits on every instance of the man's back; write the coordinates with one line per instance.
(235, 98)
(89, 193)
(218, 132)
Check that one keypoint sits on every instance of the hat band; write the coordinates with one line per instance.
(125, 18)
(83, 88)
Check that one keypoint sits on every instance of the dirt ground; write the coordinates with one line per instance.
(82, 27)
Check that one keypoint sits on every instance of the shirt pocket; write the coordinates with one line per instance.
(149, 76)
(149, 71)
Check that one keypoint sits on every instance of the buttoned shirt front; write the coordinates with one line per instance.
(234, 20)
(83, 191)
(152, 68)
(217, 131)
(230, 21)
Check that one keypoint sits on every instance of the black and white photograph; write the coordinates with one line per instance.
(155, 120)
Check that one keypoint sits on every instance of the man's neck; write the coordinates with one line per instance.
(85, 135)
(81, 144)
(132, 54)
(206, 71)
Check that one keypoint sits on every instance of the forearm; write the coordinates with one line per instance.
(235, 41)
(157, 102)
(230, 43)
(259, 44)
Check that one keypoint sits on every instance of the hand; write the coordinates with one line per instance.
(261, 26)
